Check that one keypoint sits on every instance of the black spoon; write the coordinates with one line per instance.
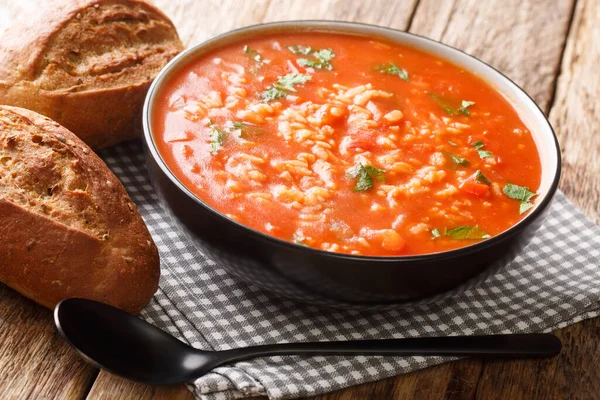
(132, 348)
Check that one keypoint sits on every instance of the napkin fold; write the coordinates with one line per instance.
(553, 283)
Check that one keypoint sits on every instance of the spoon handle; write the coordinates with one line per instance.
(518, 345)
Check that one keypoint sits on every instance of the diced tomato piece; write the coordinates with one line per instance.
(365, 143)
(392, 240)
(473, 188)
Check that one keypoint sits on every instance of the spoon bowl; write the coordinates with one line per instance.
(128, 346)
(125, 345)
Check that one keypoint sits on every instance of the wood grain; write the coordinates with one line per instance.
(110, 387)
(575, 114)
(504, 34)
(395, 14)
(452, 381)
(34, 362)
(571, 375)
(197, 21)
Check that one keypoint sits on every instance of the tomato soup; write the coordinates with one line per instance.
(347, 144)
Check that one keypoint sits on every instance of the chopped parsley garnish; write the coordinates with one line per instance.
(463, 232)
(464, 107)
(520, 193)
(451, 143)
(479, 145)
(323, 60)
(299, 49)
(481, 178)
(456, 160)
(450, 110)
(284, 85)
(217, 137)
(288, 81)
(244, 130)
(443, 104)
(365, 175)
(466, 232)
(273, 93)
(524, 206)
(253, 54)
(392, 69)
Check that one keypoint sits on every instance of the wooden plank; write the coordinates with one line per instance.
(452, 381)
(395, 14)
(571, 375)
(109, 387)
(522, 39)
(574, 115)
(197, 21)
(34, 362)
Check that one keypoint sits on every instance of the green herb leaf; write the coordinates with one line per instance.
(365, 175)
(273, 93)
(524, 206)
(375, 173)
(288, 81)
(299, 49)
(479, 145)
(323, 61)
(481, 178)
(464, 108)
(309, 63)
(517, 192)
(244, 129)
(520, 193)
(436, 233)
(450, 110)
(445, 106)
(217, 137)
(392, 69)
(324, 55)
(284, 85)
(364, 183)
(255, 55)
(456, 160)
(451, 143)
(466, 232)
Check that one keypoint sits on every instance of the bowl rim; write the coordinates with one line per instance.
(344, 27)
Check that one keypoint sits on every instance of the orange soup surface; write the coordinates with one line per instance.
(347, 144)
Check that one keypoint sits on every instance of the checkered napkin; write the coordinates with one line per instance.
(553, 283)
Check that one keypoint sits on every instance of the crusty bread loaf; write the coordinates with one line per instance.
(87, 64)
(69, 229)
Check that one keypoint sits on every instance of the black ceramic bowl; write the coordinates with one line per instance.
(341, 280)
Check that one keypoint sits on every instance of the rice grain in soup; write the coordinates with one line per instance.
(347, 144)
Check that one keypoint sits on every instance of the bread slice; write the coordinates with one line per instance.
(87, 64)
(68, 227)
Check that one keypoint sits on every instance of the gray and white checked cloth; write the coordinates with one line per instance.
(553, 283)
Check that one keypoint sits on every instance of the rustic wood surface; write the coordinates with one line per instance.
(550, 48)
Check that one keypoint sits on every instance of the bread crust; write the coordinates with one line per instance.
(87, 64)
(99, 249)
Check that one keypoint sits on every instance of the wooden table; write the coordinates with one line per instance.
(550, 48)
